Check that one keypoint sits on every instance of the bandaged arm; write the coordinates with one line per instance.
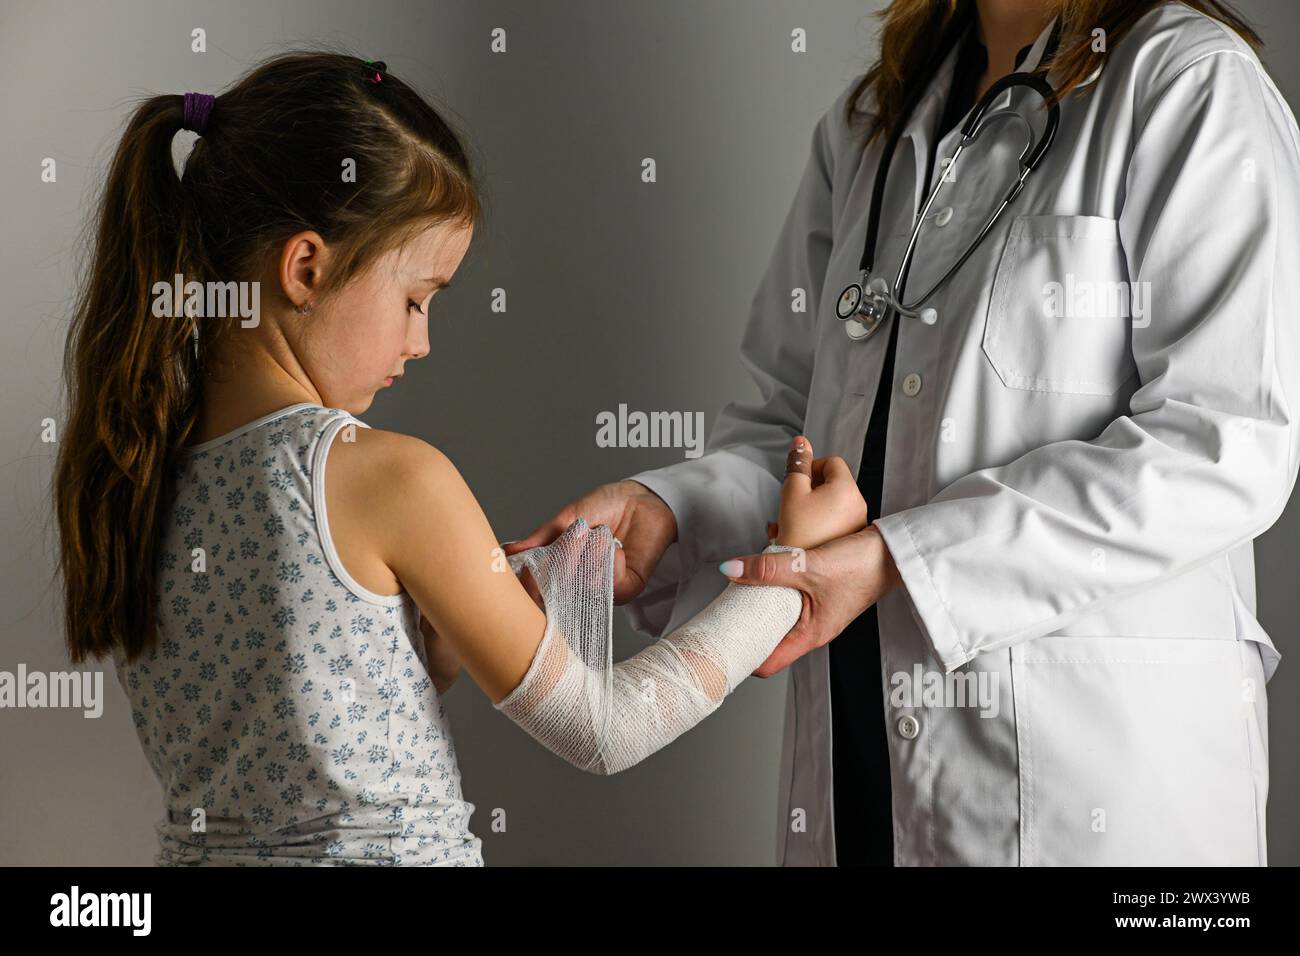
(605, 719)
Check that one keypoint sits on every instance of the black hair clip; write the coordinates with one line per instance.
(377, 68)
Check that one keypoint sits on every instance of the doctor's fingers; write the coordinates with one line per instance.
(793, 646)
(544, 533)
(778, 569)
(530, 585)
(774, 569)
(603, 505)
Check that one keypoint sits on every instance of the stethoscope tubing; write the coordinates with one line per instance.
(856, 296)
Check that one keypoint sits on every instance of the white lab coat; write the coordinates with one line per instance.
(1071, 500)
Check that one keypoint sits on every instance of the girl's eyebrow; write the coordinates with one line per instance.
(438, 281)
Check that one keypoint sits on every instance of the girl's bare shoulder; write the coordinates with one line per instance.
(385, 491)
(378, 459)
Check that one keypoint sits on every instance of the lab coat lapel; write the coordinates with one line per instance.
(863, 362)
(921, 126)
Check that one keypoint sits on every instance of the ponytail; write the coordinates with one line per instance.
(132, 383)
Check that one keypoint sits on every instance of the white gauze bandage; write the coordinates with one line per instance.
(603, 717)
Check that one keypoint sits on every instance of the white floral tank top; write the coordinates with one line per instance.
(287, 711)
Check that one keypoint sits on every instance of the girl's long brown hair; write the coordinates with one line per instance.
(269, 165)
(916, 31)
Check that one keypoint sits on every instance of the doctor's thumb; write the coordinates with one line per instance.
(773, 569)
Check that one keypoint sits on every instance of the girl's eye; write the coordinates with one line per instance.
(415, 306)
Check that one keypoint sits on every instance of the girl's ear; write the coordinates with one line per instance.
(304, 258)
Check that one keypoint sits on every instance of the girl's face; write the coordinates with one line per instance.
(360, 342)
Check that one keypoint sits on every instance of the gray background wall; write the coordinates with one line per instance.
(618, 292)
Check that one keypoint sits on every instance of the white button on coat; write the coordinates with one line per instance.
(911, 384)
(1071, 508)
(909, 726)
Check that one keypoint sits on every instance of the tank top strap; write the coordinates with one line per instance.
(333, 425)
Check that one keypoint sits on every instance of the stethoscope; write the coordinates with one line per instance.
(864, 305)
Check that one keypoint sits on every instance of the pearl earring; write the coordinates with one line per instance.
(304, 309)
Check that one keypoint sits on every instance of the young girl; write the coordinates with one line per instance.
(259, 580)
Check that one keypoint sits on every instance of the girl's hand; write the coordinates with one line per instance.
(444, 663)
(820, 500)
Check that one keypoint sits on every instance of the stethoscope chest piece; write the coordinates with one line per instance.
(862, 307)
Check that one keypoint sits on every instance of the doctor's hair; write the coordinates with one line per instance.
(269, 164)
(916, 33)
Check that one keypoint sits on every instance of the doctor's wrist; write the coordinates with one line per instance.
(879, 563)
(893, 578)
(649, 499)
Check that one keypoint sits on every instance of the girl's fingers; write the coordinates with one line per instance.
(838, 488)
(798, 469)
(800, 459)
(819, 469)
(830, 468)
(834, 468)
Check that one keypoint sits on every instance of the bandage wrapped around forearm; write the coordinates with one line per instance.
(604, 717)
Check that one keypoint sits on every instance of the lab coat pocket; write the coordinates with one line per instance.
(1136, 751)
(1059, 310)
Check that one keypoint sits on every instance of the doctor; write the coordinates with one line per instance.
(1044, 649)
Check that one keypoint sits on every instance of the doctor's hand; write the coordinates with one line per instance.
(839, 580)
(639, 519)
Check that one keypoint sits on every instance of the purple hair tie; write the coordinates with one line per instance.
(198, 110)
